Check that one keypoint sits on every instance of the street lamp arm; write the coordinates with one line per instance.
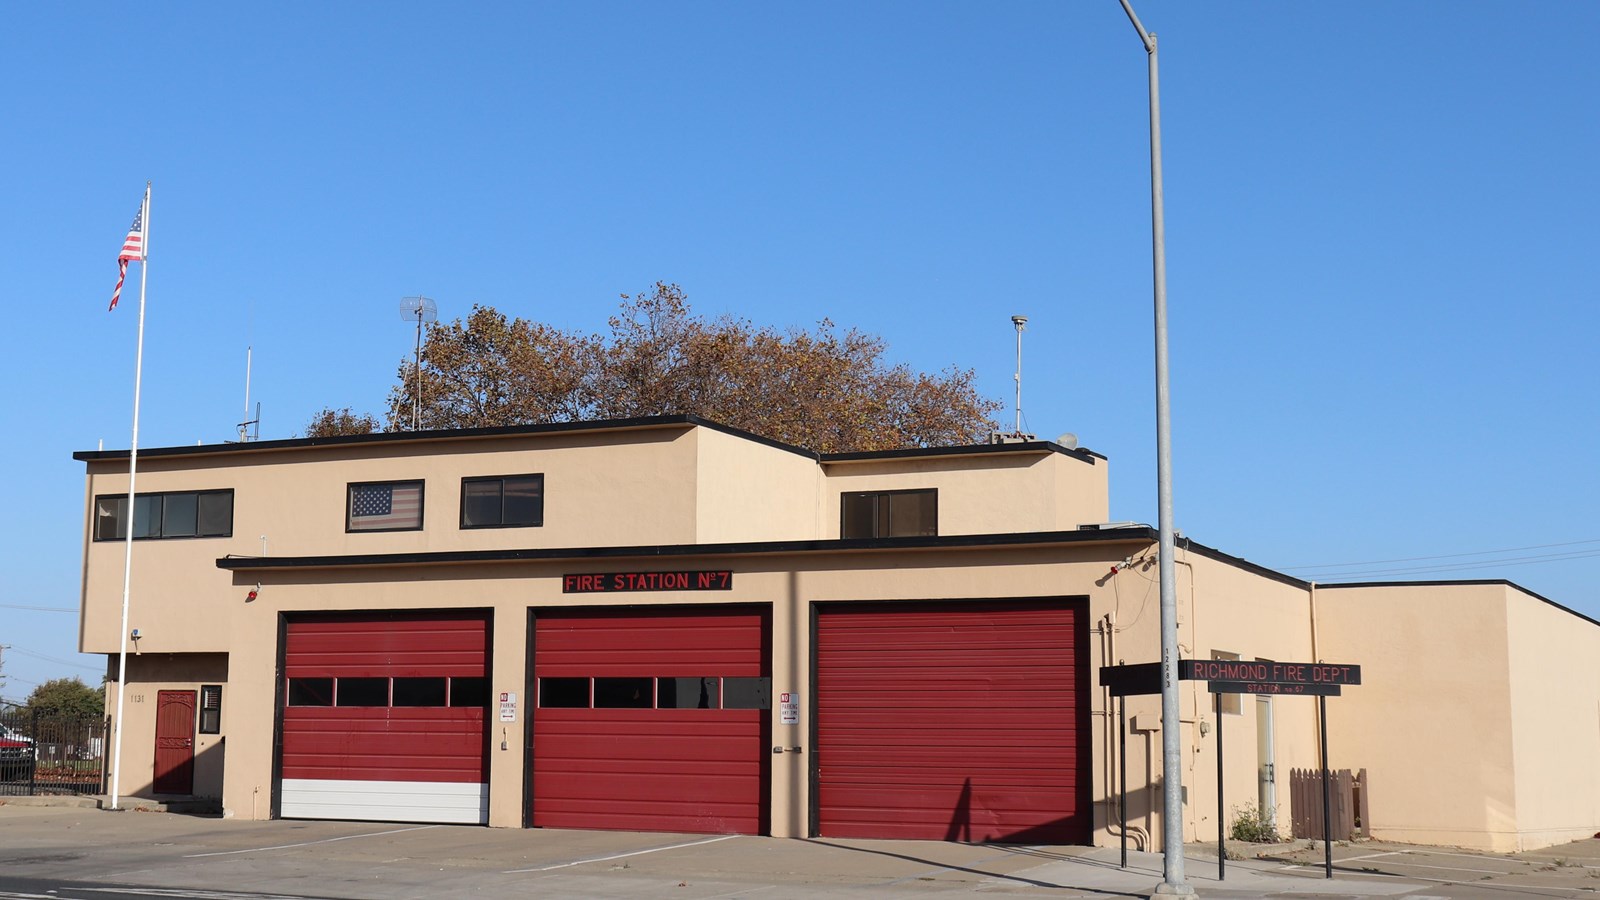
(1145, 36)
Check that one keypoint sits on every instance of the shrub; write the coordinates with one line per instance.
(1253, 825)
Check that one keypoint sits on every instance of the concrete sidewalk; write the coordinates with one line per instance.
(68, 852)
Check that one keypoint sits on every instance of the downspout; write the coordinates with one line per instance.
(1114, 825)
(1316, 656)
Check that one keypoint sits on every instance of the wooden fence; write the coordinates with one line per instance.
(1351, 803)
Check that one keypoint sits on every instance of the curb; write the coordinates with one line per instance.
(101, 801)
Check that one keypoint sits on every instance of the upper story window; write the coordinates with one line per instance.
(875, 514)
(384, 506)
(172, 514)
(502, 501)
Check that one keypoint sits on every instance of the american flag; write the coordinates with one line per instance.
(132, 251)
(381, 506)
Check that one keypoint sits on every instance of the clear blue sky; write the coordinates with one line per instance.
(1382, 247)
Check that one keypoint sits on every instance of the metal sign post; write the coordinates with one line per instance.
(1222, 839)
(1327, 807)
(1320, 680)
(1122, 768)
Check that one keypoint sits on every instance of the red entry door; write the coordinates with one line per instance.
(174, 742)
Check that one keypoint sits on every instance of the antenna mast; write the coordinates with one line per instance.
(420, 310)
(244, 427)
(1020, 322)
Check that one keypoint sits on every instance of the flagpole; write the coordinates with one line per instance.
(133, 471)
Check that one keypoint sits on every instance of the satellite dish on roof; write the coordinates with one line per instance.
(419, 310)
(1068, 440)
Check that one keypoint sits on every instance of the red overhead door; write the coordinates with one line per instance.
(953, 721)
(384, 716)
(651, 719)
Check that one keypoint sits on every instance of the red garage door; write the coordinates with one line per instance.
(953, 721)
(383, 718)
(652, 719)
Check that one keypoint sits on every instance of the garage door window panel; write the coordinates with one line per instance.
(419, 692)
(564, 693)
(688, 693)
(469, 691)
(311, 692)
(624, 693)
(362, 692)
(747, 693)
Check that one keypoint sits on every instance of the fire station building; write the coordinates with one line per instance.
(665, 624)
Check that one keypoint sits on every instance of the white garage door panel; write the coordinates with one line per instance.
(386, 801)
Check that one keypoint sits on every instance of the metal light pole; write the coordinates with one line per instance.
(1171, 743)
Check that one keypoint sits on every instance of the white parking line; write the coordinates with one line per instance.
(183, 894)
(579, 862)
(1317, 865)
(1412, 865)
(309, 843)
(1462, 855)
(1372, 855)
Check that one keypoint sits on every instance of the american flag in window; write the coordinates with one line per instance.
(382, 507)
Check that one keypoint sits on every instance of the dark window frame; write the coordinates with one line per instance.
(879, 496)
(210, 709)
(483, 479)
(350, 497)
(162, 495)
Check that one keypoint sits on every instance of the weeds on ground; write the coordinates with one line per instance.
(1253, 825)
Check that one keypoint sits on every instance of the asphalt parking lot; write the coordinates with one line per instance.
(53, 853)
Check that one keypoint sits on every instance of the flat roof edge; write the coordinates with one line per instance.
(1461, 582)
(667, 551)
(410, 437)
(1240, 562)
(1024, 447)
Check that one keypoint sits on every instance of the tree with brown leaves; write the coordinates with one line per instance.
(332, 422)
(822, 389)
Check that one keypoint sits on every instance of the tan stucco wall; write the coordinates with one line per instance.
(989, 493)
(751, 492)
(1431, 721)
(1220, 607)
(149, 674)
(1225, 608)
(1555, 721)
